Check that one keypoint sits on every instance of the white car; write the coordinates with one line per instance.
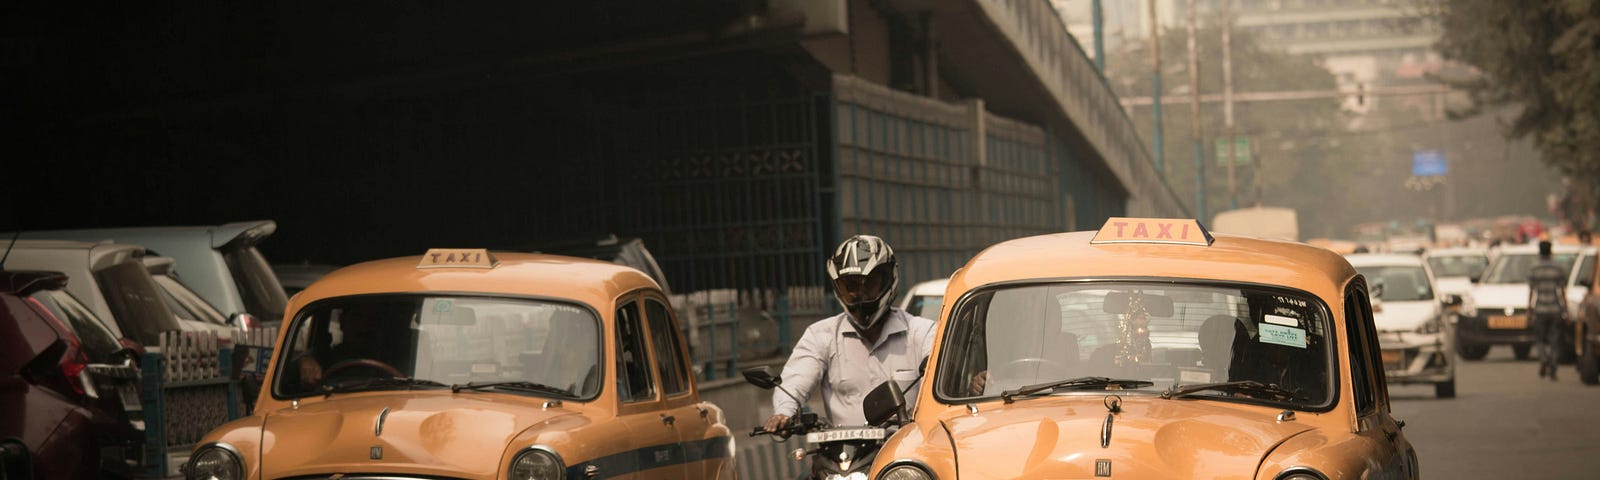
(925, 299)
(1454, 269)
(1416, 341)
(1495, 311)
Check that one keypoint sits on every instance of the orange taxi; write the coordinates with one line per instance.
(1151, 349)
(462, 364)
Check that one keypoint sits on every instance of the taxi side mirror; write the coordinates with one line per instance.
(883, 404)
(1474, 278)
(762, 377)
(1451, 300)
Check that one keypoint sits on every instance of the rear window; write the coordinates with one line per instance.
(259, 288)
(136, 302)
(97, 340)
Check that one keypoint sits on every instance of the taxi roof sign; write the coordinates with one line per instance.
(458, 258)
(1174, 231)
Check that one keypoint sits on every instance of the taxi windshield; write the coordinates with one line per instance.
(441, 340)
(1514, 268)
(1163, 333)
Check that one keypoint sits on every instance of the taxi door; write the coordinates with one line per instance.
(1390, 455)
(656, 453)
(680, 402)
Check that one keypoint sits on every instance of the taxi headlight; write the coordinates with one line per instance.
(1301, 473)
(537, 463)
(905, 472)
(218, 461)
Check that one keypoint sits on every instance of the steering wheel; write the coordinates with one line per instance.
(363, 362)
(1010, 369)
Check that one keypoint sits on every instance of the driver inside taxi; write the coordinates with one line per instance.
(358, 340)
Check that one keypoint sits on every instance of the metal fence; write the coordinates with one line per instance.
(187, 390)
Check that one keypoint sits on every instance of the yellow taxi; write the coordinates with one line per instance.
(1151, 349)
(466, 364)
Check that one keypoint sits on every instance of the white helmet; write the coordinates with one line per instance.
(864, 277)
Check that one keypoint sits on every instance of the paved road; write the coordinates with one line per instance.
(1505, 422)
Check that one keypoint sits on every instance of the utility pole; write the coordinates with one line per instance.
(1227, 99)
(1155, 83)
(1194, 121)
(1099, 36)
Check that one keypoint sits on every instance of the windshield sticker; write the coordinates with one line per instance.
(484, 367)
(1191, 376)
(1282, 320)
(1281, 335)
(441, 306)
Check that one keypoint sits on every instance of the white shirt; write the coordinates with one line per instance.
(833, 353)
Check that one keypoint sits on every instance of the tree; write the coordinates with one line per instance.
(1542, 56)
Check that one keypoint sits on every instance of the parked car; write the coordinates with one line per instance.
(627, 251)
(1150, 349)
(187, 304)
(111, 280)
(296, 277)
(220, 262)
(1586, 329)
(1495, 311)
(1416, 341)
(464, 364)
(1456, 268)
(925, 298)
(61, 398)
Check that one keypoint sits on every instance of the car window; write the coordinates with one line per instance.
(1514, 268)
(1458, 265)
(1168, 334)
(135, 302)
(186, 303)
(670, 366)
(1406, 283)
(925, 306)
(263, 296)
(96, 339)
(445, 339)
(1361, 367)
(633, 372)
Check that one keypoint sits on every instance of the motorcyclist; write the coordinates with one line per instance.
(851, 353)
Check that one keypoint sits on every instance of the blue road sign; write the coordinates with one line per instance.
(1428, 163)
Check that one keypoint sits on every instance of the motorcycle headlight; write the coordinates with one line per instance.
(537, 463)
(905, 472)
(218, 461)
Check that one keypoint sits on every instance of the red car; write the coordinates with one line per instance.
(66, 386)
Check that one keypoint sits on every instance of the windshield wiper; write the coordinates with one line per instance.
(1080, 382)
(329, 390)
(513, 385)
(1248, 387)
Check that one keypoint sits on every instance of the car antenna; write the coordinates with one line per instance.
(8, 249)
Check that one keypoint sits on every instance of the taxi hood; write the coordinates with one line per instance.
(1059, 437)
(1501, 295)
(423, 431)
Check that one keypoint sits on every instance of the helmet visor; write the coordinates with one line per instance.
(862, 289)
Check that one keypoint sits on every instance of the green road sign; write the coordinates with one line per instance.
(1241, 151)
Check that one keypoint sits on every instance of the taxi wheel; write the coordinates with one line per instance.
(1445, 389)
(1589, 366)
(1473, 352)
(1522, 351)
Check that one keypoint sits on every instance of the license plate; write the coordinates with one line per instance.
(1392, 359)
(1508, 321)
(845, 434)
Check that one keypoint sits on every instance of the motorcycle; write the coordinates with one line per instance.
(837, 452)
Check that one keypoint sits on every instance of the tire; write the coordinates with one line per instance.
(1589, 366)
(1473, 352)
(1445, 389)
(1522, 351)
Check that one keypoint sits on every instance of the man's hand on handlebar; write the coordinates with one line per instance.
(775, 425)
